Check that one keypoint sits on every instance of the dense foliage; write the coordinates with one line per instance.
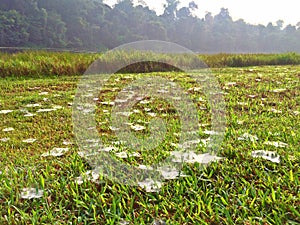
(93, 25)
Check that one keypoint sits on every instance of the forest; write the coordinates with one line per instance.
(91, 25)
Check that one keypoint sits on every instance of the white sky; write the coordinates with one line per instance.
(252, 11)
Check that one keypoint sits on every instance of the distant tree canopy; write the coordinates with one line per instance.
(93, 25)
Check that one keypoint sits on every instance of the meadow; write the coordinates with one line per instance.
(255, 180)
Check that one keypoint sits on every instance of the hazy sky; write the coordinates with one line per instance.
(252, 11)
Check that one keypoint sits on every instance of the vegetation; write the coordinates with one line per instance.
(44, 176)
(36, 63)
(261, 102)
(91, 24)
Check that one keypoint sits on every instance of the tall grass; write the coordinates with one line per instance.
(243, 60)
(41, 63)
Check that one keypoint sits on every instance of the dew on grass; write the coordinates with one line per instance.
(151, 114)
(189, 144)
(29, 115)
(86, 108)
(144, 167)
(274, 134)
(158, 222)
(34, 88)
(201, 99)
(296, 113)
(231, 84)
(206, 158)
(248, 137)
(90, 175)
(23, 110)
(46, 110)
(218, 93)
(279, 90)
(67, 143)
(30, 140)
(118, 142)
(57, 107)
(6, 111)
(127, 78)
(139, 98)
(276, 144)
(144, 102)
(121, 100)
(170, 173)
(108, 103)
(204, 124)
(240, 122)
(4, 139)
(192, 157)
(176, 98)
(123, 222)
(107, 149)
(242, 103)
(205, 142)
(103, 123)
(125, 155)
(114, 128)
(211, 132)
(162, 91)
(32, 105)
(92, 141)
(150, 185)
(275, 111)
(137, 127)
(44, 93)
(84, 154)
(56, 152)
(124, 113)
(101, 148)
(29, 193)
(195, 89)
(8, 129)
(268, 155)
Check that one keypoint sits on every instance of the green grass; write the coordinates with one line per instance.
(39, 63)
(237, 190)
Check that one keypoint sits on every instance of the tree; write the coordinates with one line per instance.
(90, 24)
(170, 9)
(13, 29)
(279, 24)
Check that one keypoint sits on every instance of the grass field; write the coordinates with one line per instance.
(263, 113)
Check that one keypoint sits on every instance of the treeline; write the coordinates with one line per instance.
(93, 25)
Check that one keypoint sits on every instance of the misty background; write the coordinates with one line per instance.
(92, 25)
